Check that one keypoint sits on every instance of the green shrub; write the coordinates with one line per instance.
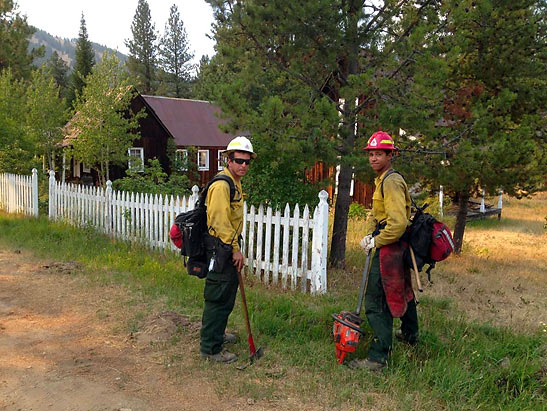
(154, 181)
(277, 186)
(357, 211)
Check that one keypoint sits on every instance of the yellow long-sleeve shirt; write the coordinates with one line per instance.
(225, 218)
(393, 209)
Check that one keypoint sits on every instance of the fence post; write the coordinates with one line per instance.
(441, 201)
(194, 197)
(35, 192)
(108, 207)
(51, 195)
(500, 203)
(319, 245)
(483, 208)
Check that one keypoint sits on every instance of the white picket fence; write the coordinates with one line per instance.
(277, 248)
(19, 194)
(144, 218)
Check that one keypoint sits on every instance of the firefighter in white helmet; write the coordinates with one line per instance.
(225, 224)
(240, 144)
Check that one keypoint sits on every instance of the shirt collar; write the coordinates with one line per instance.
(379, 179)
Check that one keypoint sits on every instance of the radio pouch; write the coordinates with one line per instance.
(218, 253)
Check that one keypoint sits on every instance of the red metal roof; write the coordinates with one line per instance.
(191, 122)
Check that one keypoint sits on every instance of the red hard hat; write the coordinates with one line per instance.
(176, 236)
(380, 141)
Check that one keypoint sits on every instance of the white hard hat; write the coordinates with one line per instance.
(240, 144)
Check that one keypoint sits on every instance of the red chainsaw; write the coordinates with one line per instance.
(347, 325)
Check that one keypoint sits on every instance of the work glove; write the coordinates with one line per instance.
(367, 243)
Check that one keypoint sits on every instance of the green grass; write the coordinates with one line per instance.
(457, 365)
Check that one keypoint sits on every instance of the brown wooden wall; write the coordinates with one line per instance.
(362, 193)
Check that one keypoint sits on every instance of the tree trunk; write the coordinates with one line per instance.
(461, 219)
(343, 199)
(51, 165)
(340, 225)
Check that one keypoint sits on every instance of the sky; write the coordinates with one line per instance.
(108, 22)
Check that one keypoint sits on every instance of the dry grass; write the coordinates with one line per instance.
(501, 277)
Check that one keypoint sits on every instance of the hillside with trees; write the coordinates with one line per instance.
(65, 48)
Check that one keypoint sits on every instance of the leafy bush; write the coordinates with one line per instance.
(275, 188)
(357, 211)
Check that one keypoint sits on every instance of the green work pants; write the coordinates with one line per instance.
(380, 319)
(220, 294)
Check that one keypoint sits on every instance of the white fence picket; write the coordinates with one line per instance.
(305, 235)
(259, 233)
(277, 239)
(285, 251)
(294, 272)
(267, 246)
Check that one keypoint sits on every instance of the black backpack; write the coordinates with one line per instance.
(426, 236)
(193, 227)
(430, 239)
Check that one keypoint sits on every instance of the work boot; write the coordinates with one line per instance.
(399, 336)
(229, 338)
(367, 364)
(224, 356)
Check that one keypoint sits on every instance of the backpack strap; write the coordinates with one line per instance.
(218, 177)
(390, 172)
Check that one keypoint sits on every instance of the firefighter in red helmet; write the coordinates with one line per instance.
(389, 291)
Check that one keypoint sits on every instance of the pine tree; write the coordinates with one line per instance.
(57, 68)
(489, 94)
(142, 49)
(14, 40)
(175, 55)
(83, 63)
(210, 74)
(311, 80)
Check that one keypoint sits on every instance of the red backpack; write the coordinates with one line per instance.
(442, 244)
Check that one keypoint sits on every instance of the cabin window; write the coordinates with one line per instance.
(136, 158)
(220, 160)
(181, 158)
(86, 168)
(203, 160)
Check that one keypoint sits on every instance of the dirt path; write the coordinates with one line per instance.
(59, 348)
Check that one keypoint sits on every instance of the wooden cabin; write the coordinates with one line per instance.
(190, 123)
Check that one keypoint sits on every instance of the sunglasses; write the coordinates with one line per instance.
(242, 160)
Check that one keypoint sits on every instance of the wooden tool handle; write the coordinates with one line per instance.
(415, 266)
(244, 302)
